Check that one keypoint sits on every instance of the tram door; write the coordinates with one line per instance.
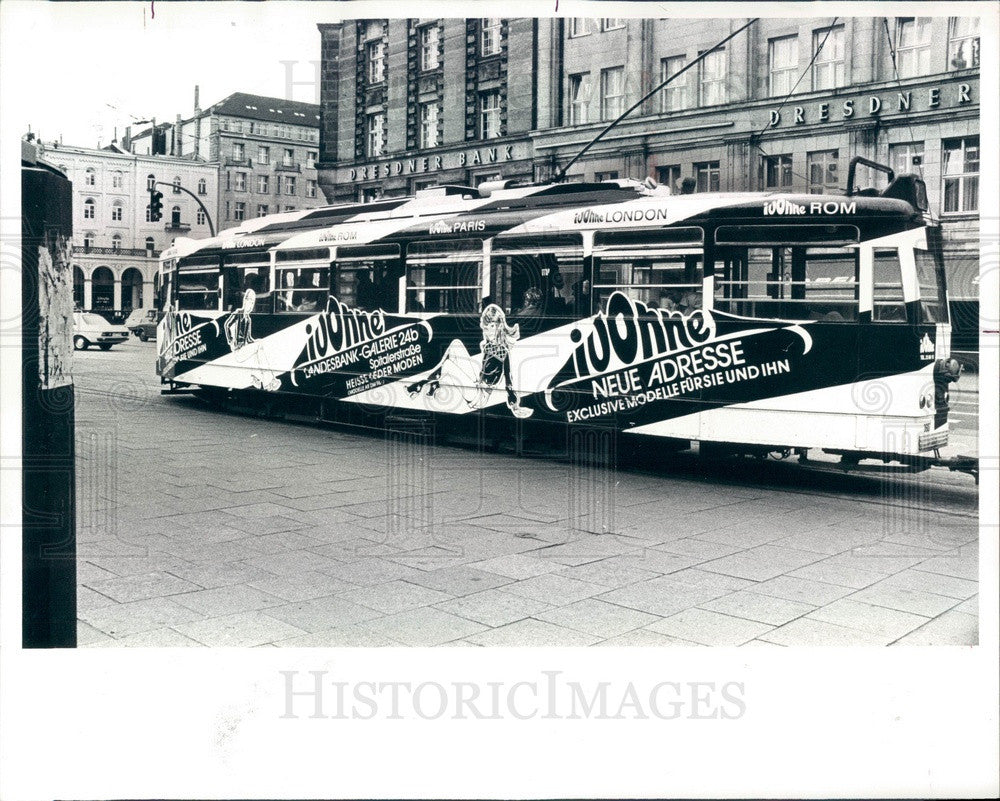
(368, 277)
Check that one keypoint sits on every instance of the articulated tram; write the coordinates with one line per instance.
(759, 322)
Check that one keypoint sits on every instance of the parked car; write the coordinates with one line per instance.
(92, 329)
(142, 323)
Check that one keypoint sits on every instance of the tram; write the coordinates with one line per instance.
(760, 322)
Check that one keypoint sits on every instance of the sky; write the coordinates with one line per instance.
(79, 70)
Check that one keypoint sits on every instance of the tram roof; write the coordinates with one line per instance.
(528, 209)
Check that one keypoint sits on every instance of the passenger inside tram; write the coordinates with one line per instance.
(365, 292)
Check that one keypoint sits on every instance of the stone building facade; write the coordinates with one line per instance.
(115, 244)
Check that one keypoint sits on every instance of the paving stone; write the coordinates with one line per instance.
(699, 549)
(517, 565)
(596, 617)
(227, 600)
(292, 563)
(809, 632)
(889, 623)
(553, 589)
(244, 630)
(423, 627)
(837, 573)
(531, 633)
(87, 635)
(807, 591)
(493, 607)
(459, 580)
(761, 608)
(222, 575)
(644, 638)
(155, 638)
(136, 616)
(662, 596)
(955, 566)
(951, 628)
(347, 637)
(87, 598)
(761, 563)
(137, 588)
(371, 571)
(709, 628)
(608, 573)
(395, 596)
(303, 587)
(320, 614)
(905, 600)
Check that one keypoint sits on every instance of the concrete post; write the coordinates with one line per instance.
(117, 294)
(88, 293)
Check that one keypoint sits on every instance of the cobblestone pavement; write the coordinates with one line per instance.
(202, 528)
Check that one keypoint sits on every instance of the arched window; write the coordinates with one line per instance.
(202, 187)
(116, 242)
(175, 217)
(90, 178)
(151, 182)
(89, 208)
(88, 240)
(150, 245)
(77, 287)
(116, 211)
(103, 289)
(131, 289)
(177, 184)
(116, 179)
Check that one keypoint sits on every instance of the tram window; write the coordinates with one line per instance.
(301, 288)
(787, 282)
(198, 284)
(444, 277)
(368, 284)
(930, 280)
(887, 292)
(240, 274)
(539, 282)
(671, 281)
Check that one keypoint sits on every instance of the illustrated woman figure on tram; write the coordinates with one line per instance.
(476, 382)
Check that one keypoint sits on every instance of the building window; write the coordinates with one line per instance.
(828, 68)
(289, 208)
(240, 182)
(289, 184)
(489, 114)
(311, 156)
(611, 23)
(376, 127)
(913, 46)
(429, 47)
(288, 157)
(263, 184)
(673, 97)
(578, 26)
(261, 209)
(116, 242)
(579, 98)
(963, 42)
(202, 187)
(88, 208)
(612, 92)
(150, 182)
(712, 79)
(150, 245)
(669, 175)
(429, 125)
(90, 178)
(961, 175)
(263, 154)
(609, 175)
(175, 217)
(310, 189)
(239, 211)
(906, 157)
(706, 175)
(369, 193)
(375, 57)
(88, 240)
(783, 57)
(116, 212)
(489, 40)
(776, 172)
(116, 179)
(821, 170)
(176, 185)
(239, 151)
(200, 217)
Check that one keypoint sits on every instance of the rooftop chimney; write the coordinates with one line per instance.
(197, 107)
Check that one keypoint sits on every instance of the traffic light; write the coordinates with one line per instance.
(155, 205)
